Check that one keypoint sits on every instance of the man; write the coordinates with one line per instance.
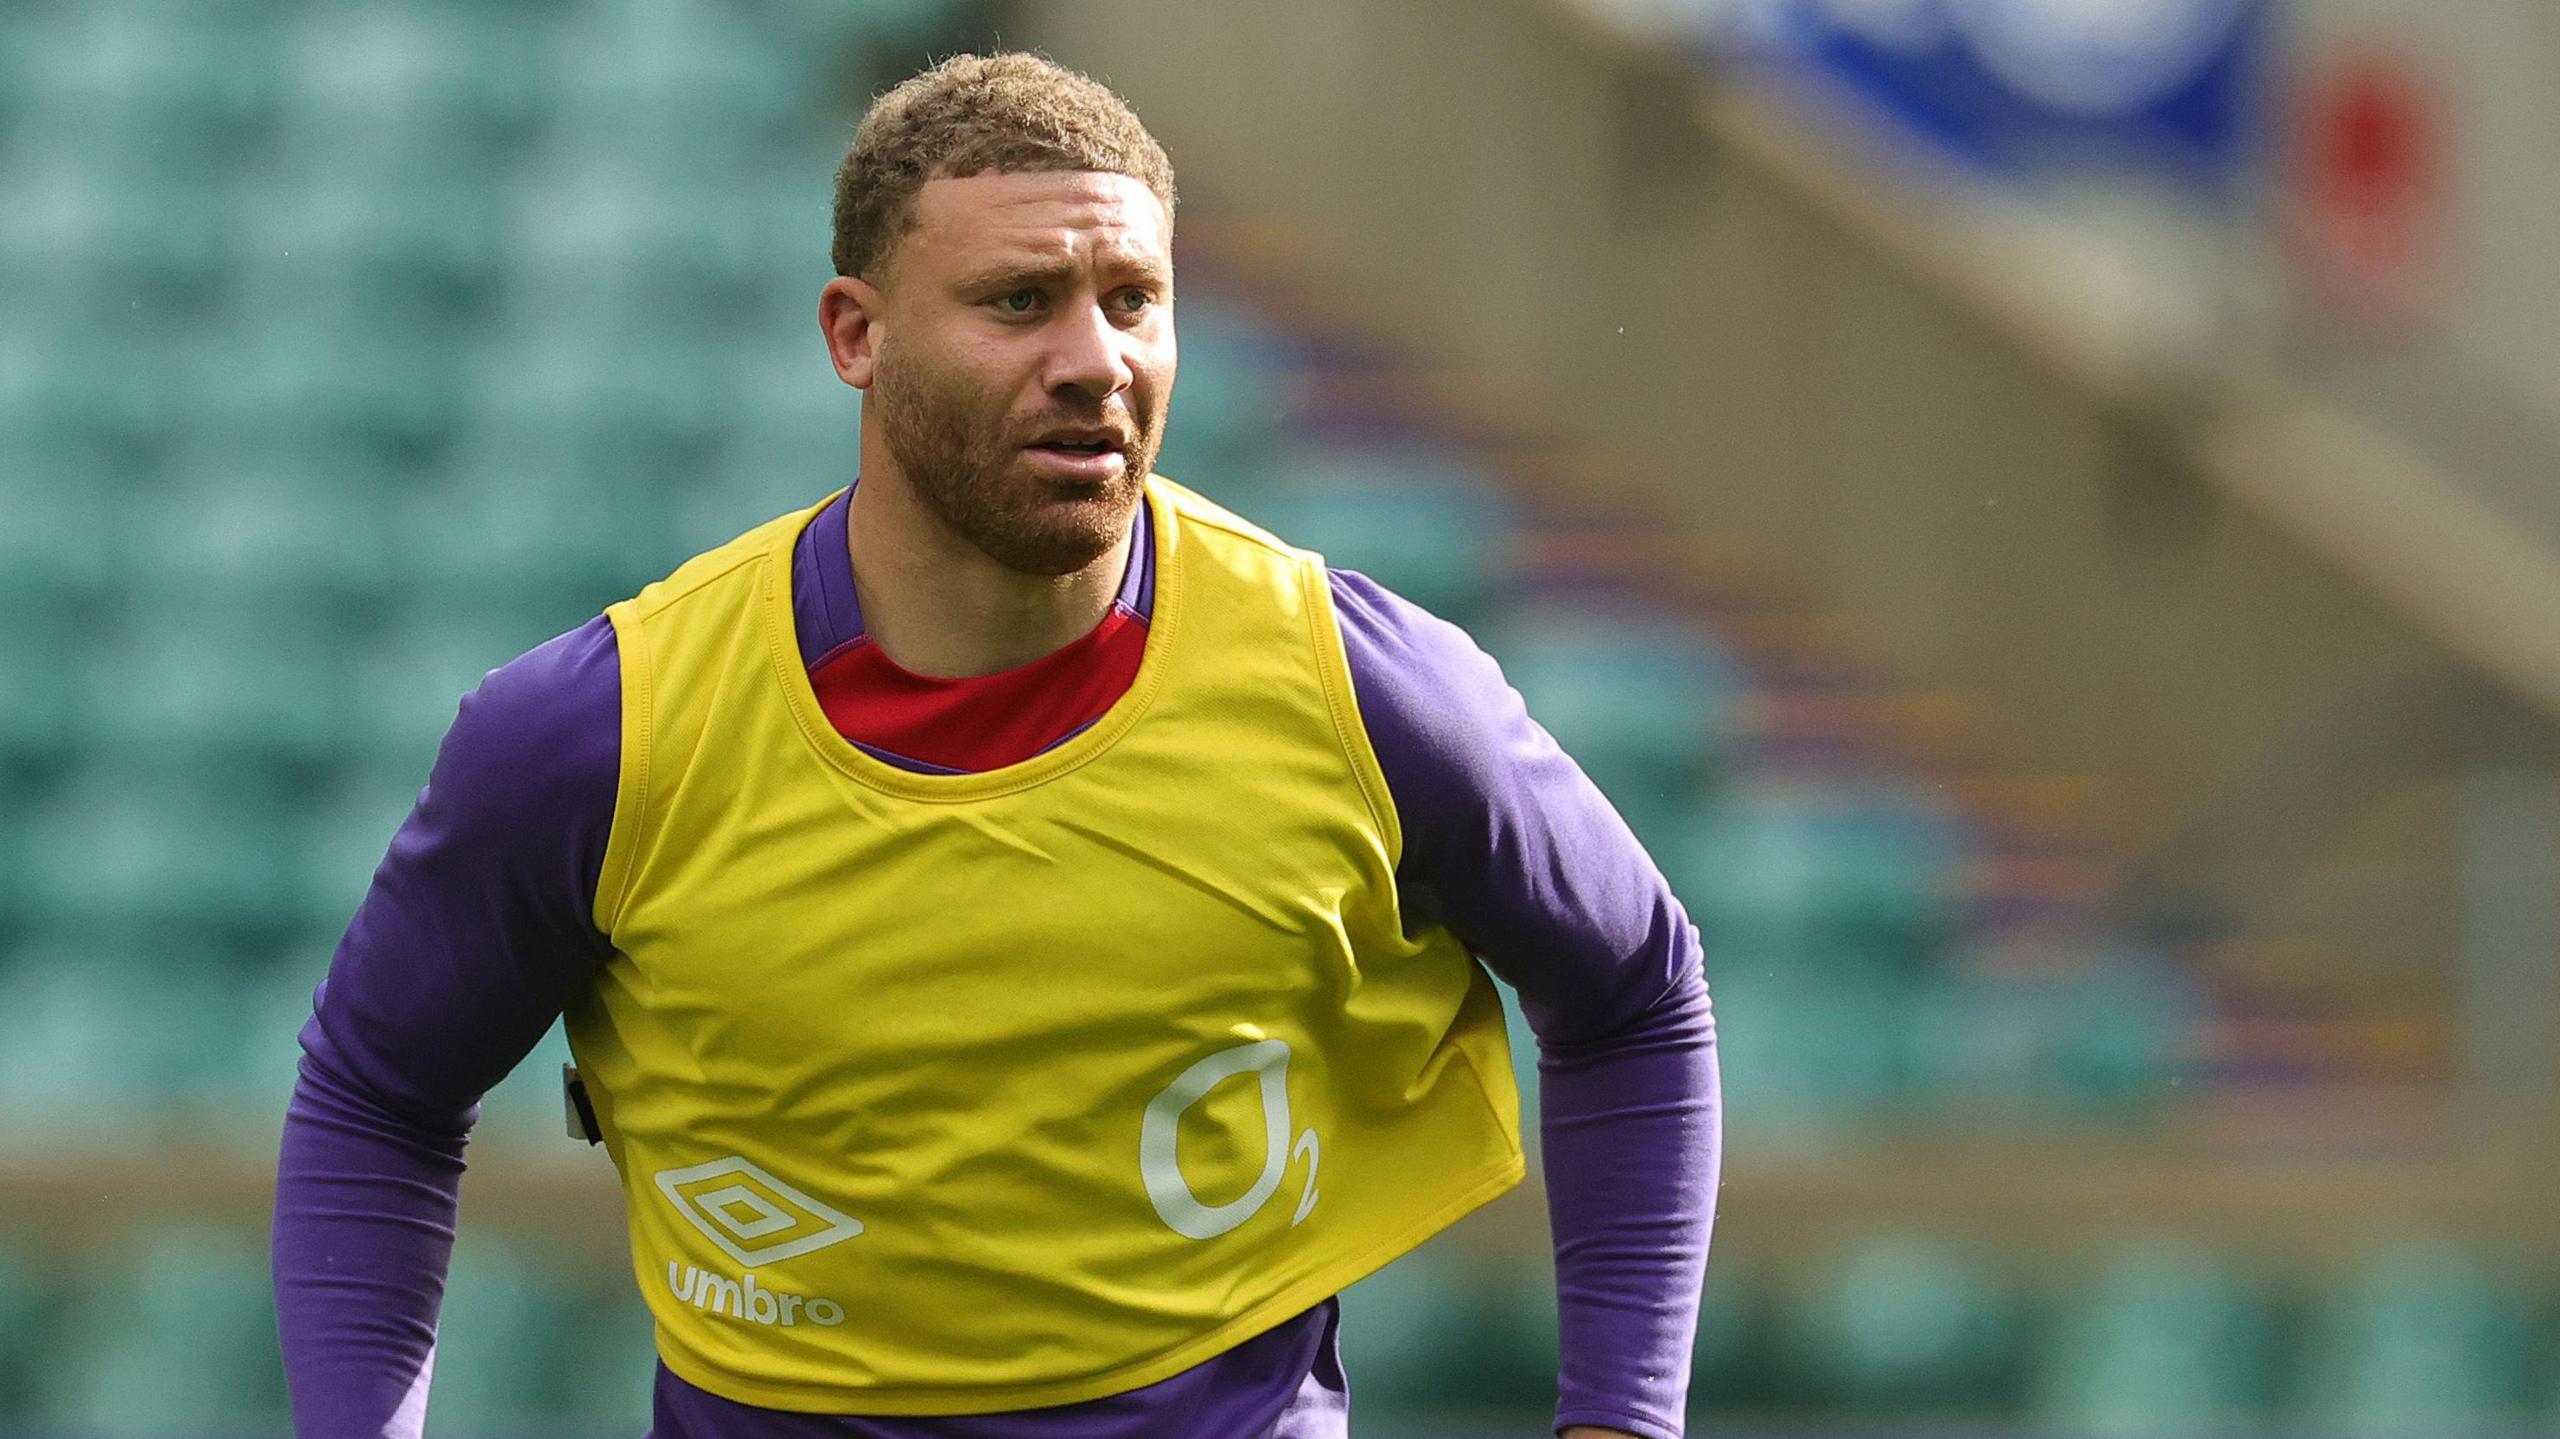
(1012, 917)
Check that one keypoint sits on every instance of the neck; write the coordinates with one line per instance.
(940, 606)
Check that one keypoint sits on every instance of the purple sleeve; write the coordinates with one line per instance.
(1509, 844)
(475, 934)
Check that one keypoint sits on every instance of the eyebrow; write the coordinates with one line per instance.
(1022, 272)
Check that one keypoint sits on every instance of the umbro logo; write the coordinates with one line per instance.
(753, 1217)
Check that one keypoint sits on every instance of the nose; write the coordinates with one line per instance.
(1089, 354)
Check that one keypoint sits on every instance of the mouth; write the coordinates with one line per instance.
(1079, 454)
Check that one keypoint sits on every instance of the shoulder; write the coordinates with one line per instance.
(542, 735)
(1432, 700)
(1453, 739)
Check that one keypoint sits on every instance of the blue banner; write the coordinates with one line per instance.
(2023, 87)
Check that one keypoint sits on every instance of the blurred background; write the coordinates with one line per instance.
(2041, 512)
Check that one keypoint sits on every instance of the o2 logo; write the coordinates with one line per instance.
(1172, 1194)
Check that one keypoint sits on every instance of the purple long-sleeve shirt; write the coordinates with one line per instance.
(478, 931)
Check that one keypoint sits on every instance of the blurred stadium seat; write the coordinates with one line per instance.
(286, 520)
(2090, 1033)
(1410, 1334)
(1837, 877)
(168, 849)
(607, 1378)
(1729, 1367)
(1807, 1056)
(1648, 706)
(175, 1336)
(217, 678)
(1905, 1325)
(2426, 1339)
(2166, 1340)
(35, 702)
(1240, 387)
(1419, 522)
(399, 88)
(23, 1321)
(497, 1370)
(119, 1022)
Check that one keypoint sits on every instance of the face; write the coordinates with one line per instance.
(1018, 358)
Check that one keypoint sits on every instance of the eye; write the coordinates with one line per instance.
(1029, 297)
(1141, 299)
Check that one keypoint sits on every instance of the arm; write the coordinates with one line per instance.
(1509, 844)
(475, 933)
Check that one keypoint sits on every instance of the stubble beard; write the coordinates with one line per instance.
(970, 471)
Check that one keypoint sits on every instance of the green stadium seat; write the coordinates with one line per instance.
(102, 231)
(1405, 1340)
(161, 848)
(783, 392)
(342, 838)
(289, 520)
(1807, 1054)
(412, 254)
(1442, 540)
(1906, 1325)
(770, 326)
(2103, 1037)
(118, 1022)
(24, 32)
(554, 520)
(1648, 706)
(1508, 1339)
(1838, 877)
(221, 675)
(523, 1110)
(656, 82)
(599, 239)
(1524, 1064)
(57, 543)
(2423, 1340)
(1983, 1044)
(275, 1001)
(83, 388)
(393, 87)
(609, 1360)
(1727, 1369)
(36, 708)
(890, 25)
(2133, 1020)
(496, 1342)
(176, 1336)
(23, 1322)
(2167, 1340)
(634, 406)
(16, 790)
(1241, 387)
(177, 86)
(372, 371)
(786, 455)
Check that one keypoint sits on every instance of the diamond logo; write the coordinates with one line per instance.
(753, 1217)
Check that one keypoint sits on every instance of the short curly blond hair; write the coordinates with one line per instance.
(974, 115)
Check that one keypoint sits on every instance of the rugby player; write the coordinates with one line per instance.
(1023, 930)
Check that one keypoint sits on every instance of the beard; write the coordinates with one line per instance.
(969, 469)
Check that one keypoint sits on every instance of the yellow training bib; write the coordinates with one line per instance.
(939, 1094)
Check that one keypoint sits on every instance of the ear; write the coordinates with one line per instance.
(848, 310)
